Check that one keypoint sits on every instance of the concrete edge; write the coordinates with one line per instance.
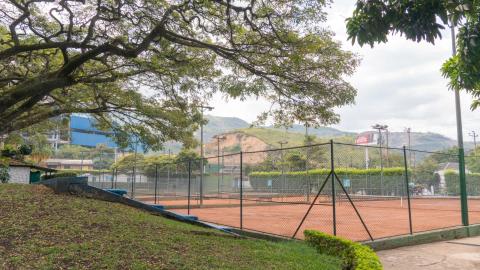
(424, 237)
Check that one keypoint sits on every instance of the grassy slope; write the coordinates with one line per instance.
(41, 230)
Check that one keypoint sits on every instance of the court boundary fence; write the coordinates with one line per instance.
(332, 178)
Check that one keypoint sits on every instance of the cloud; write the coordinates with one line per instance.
(399, 83)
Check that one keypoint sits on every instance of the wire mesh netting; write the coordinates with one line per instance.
(358, 192)
(472, 163)
(435, 204)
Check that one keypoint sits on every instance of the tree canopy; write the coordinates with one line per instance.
(144, 67)
(373, 21)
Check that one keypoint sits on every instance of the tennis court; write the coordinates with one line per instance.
(360, 197)
(384, 216)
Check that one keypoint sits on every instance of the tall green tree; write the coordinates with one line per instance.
(143, 67)
(373, 21)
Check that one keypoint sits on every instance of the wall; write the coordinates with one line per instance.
(19, 175)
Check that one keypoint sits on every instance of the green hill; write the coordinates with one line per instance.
(273, 136)
(426, 141)
(42, 230)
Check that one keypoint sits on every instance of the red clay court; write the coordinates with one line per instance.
(282, 216)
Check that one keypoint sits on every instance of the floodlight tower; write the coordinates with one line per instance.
(380, 128)
(219, 138)
(282, 142)
(202, 107)
(409, 139)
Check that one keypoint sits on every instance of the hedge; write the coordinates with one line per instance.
(59, 174)
(365, 181)
(396, 171)
(452, 182)
(354, 256)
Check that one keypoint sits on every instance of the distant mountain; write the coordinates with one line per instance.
(218, 125)
(425, 141)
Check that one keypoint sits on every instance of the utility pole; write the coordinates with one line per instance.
(202, 107)
(461, 151)
(475, 136)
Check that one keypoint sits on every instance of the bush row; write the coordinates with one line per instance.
(58, 175)
(354, 256)
(366, 181)
(452, 182)
(340, 171)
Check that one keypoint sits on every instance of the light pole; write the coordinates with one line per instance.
(380, 128)
(461, 151)
(380, 140)
(134, 172)
(281, 157)
(307, 142)
(387, 142)
(202, 107)
(219, 138)
(409, 139)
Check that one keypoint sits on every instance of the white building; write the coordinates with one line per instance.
(23, 173)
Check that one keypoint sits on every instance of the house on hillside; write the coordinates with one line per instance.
(23, 172)
(69, 164)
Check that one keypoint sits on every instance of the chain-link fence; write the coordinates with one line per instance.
(358, 192)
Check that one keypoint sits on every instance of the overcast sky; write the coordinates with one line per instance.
(399, 84)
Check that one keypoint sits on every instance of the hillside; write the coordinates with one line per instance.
(426, 141)
(42, 230)
(272, 136)
(217, 125)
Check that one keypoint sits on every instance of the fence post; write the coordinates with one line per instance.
(332, 168)
(133, 182)
(156, 182)
(113, 175)
(189, 184)
(463, 186)
(408, 189)
(241, 190)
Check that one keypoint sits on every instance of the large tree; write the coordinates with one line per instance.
(374, 20)
(144, 66)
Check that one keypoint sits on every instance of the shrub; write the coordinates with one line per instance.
(452, 181)
(59, 174)
(9, 151)
(25, 149)
(354, 256)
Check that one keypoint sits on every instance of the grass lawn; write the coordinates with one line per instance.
(41, 230)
